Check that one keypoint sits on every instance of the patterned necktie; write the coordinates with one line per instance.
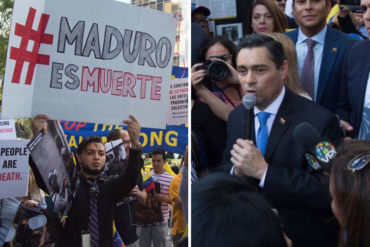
(262, 133)
(308, 71)
(93, 218)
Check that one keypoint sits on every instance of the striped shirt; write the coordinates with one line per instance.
(165, 180)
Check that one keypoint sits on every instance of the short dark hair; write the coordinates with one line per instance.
(225, 42)
(113, 135)
(274, 47)
(228, 211)
(351, 192)
(86, 141)
(159, 151)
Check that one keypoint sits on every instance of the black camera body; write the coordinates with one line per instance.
(216, 70)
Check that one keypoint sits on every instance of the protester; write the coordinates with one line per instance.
(156, 233)
(350, 190)
(354, 98)
(93, 205)
(266, 17)
(276, 163)
(292, 81)
(321, 50)
(177, 213)
(35, 196)
(359, 19)
(124, 212)
(8, 211)
(228, 211)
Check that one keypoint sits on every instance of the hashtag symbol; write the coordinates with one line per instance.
(21, 55)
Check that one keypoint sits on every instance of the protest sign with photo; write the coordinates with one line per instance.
(14, 168)
(7, 130)
(89, 60)
(54, 162)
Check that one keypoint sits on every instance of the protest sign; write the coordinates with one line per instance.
(7, 130)
(54, 162)
(89, 60)
(14, 168)
(178, 107)
(172, 139)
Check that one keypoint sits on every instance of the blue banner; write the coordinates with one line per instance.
(172, 139)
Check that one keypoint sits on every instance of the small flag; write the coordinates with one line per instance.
(148, 182)
(117, 241)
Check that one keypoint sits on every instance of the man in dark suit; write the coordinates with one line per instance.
(299, 194)
(354, 99)
(329, 49)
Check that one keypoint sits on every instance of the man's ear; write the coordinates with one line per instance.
(78, 158)
(284, 70)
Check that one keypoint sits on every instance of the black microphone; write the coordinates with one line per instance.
(249, 101)
(319, 153)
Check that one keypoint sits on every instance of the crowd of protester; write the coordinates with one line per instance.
(122, 202)
(253, 180)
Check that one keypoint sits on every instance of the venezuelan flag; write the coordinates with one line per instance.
(117, 241)
(148, 181)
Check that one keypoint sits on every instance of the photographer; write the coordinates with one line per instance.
(215, 93)
(217, 77)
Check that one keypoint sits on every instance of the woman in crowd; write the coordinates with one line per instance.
(227, 91)
(350, 191)
(292, 80)
(213, 99)
(267, 17)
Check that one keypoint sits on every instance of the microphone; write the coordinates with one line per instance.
(249, 101)
(319, 153)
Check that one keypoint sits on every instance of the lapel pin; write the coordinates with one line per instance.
(335, 49)
(282, 121)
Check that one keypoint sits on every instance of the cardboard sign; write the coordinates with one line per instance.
(178, 107)
(14, 168)
(89, 60)
(7, 130)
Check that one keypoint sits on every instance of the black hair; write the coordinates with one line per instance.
(274, 47)
(159, 151)
(228, 211)
(225, 42)
(86, 141)
(113, 135)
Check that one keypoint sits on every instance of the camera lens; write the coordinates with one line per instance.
(218, 71)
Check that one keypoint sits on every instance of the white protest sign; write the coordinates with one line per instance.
(178, 107)
(14, 168)
(7, 130)
(90, 61)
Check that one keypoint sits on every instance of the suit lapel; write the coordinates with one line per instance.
(280, 125)
(329, 54)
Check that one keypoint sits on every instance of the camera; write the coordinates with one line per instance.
(216, 70)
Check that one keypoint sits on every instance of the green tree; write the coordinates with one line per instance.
(6, 10)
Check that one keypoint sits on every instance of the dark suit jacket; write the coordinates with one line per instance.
(353, 85)
(336, 46)
(300, 195)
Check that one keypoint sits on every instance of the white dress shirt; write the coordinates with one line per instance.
(301, 47)
(272, 109)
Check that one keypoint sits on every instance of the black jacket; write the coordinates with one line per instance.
(110, 191)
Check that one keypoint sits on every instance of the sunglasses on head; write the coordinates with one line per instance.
(359, 162)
